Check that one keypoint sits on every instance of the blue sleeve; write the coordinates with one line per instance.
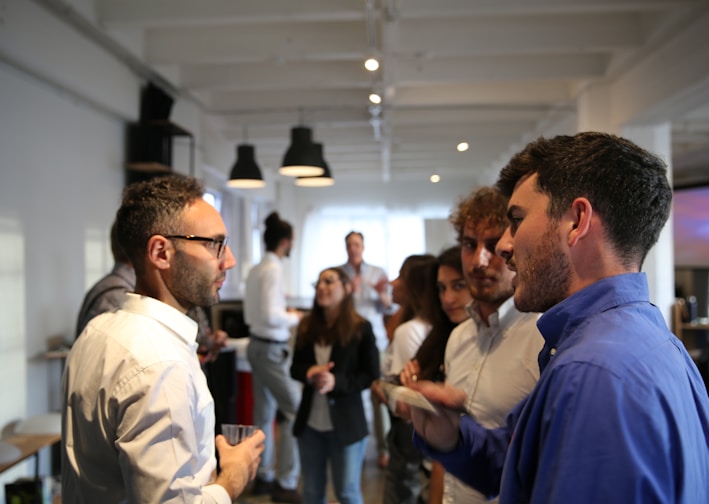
(602, 437)
(479, 457)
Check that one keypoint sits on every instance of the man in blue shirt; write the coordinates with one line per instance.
(620, 413)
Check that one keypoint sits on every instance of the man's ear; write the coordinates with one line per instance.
(580, 213)
(160, 251)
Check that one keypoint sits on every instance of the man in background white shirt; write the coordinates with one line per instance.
(269, 353)
(372, 301)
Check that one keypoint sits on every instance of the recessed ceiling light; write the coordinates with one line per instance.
(371, 64)
(463, 146)
(375, 98)
(435, 178)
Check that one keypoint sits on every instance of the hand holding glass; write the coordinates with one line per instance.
(235, 433)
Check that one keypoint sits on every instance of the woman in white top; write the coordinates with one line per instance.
(410, 290)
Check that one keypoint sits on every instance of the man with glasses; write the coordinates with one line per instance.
(137, 416)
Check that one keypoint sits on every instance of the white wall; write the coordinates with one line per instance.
(62, 117)
(61, 180)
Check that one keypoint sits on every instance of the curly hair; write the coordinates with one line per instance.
(626, 185)
(151, 207)
(483, 205)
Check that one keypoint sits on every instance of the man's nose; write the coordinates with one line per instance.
(482, 257)
(504, 245)
(228, 260)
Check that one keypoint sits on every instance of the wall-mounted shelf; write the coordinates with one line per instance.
(150, 146)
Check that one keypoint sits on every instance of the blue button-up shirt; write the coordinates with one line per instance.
(620, 412)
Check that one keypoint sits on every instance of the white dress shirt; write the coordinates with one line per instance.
(265, 301)
(137, 416)
(404, 344)
(368, 301)
(497, 367)
(403, 347)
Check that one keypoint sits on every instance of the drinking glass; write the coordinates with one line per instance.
(236, 433)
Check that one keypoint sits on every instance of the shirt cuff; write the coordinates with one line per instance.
(217, 492)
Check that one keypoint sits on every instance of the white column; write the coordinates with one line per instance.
(659, 264)
(595, 113)
(594, 110)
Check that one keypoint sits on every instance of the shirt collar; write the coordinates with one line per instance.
(558, 324)
(272, 256)
(182, 325)
(503, 315)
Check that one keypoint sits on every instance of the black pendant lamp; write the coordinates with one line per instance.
(302, 158)
(323, 180)
(245, 173)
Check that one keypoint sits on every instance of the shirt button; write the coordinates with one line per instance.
(552, 352)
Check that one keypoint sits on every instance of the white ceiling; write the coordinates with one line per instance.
(494, 73)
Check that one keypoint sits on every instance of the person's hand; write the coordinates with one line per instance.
(410, 374)
(321, 378)
(382, 288)
(440, 430)
(378, 392)
(381, 285)
(239, 463)
(403, 411)
(300, 314)
(211, 344)
(324, 382)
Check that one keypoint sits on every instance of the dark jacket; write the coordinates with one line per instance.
(356, 366)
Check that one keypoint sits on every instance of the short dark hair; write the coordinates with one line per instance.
(354, 233)
(119, 255)
(276, 230)
(626, 185)
(153, 207)
(484, 204)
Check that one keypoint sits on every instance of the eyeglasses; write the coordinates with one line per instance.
(218, 244)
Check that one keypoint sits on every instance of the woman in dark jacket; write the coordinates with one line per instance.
(335, 358)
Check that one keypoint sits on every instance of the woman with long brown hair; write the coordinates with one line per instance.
(335, 358)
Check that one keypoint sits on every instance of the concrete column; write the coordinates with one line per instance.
(659, 264)
(595, 113)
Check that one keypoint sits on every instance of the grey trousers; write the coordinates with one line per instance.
(273, 390)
